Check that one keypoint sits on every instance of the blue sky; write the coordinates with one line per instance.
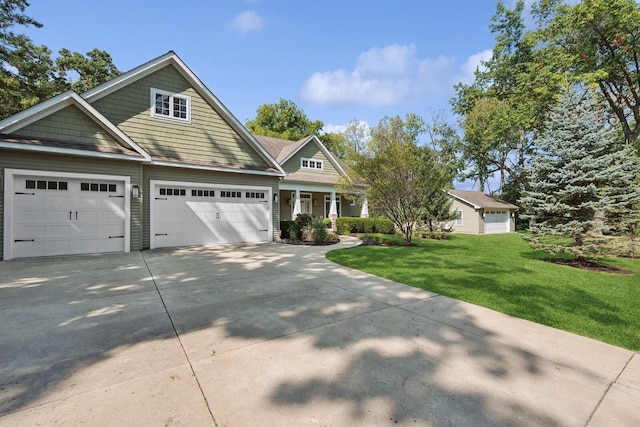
(337, 60)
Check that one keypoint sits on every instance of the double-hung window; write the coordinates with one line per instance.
(459, 218)
(169, 105)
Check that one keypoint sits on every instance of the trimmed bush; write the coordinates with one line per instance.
(327, 222)
(347, 225)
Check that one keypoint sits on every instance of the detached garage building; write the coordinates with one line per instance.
(149, 159)
(478, 213)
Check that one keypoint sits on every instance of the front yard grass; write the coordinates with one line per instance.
(503, 273)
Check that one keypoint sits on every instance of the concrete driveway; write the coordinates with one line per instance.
(270, 334)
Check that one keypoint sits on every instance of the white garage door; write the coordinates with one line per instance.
(496, 222)
(63, 215)
(185, 214)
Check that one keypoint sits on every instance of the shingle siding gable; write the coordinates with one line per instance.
(310, 151)
(69, 124)
(208, 137)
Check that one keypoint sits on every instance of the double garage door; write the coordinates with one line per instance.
(496, 222)
(198, 214)
(53, 213)
(63, 214)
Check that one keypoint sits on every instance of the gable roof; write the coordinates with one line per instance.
(171, 59)
(284, 149)
(480, 200)
(13, 124)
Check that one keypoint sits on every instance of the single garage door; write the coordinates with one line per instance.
(64, 215)
(496, 222)
(186, 214)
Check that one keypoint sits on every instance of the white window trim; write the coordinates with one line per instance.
(317, 161)
(172, 95)
(459, 221)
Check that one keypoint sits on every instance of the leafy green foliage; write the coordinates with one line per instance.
(93, 69)
(596, 42)
(584, 185)
(401, 176)
(503, 273)
(27, 72)
(319, 231)
(283, 119)
(347, 225)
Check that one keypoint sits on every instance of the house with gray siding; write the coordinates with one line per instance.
(148, 159)
(313, 181)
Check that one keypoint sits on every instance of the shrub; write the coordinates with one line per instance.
(364, 225)
(307, 233)
(294, 230)
(333, 238)
(319, 231)
(327, 222)
(304, 220)
(284, 229)
(384, 226)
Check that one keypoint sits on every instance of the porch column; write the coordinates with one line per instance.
(364, 212)
(333, 208)
(296, 205)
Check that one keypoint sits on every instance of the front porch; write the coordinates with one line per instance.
(321, 203)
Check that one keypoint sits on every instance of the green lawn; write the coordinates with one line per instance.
(501, 272)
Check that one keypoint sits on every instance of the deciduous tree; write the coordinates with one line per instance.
(283, 119)
(403, 178)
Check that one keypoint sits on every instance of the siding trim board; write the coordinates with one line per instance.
(71, 151)
(213, 168)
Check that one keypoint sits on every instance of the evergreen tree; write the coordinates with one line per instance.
(583, 183)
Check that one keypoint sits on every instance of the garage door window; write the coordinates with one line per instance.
(32, 184)
(231, 194)
(252, 195)
(95, 186)
(173, 192)
(203, 193)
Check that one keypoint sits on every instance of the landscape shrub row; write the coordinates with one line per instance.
(346, 225)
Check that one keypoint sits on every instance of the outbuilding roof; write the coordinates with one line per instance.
(480, 200)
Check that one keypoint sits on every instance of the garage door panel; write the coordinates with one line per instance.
(496, 222)
(55, 216)
(195, 217)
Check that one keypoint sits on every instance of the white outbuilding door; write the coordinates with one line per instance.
(496, 222)
(187, 214)
(50, 213)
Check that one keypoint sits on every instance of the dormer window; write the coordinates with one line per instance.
(312, 164)
(171, 106)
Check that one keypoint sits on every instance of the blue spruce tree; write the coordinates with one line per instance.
(584, 195)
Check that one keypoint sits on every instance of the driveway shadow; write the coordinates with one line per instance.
(289, 331)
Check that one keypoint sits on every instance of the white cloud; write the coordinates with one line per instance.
(473, 63)
(388, 76)
(362, 125)
(246, 22)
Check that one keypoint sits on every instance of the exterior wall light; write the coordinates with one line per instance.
(135, 191)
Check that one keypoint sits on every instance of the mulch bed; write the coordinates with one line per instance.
(590, 265)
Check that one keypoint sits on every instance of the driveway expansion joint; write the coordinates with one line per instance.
(184, 351)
